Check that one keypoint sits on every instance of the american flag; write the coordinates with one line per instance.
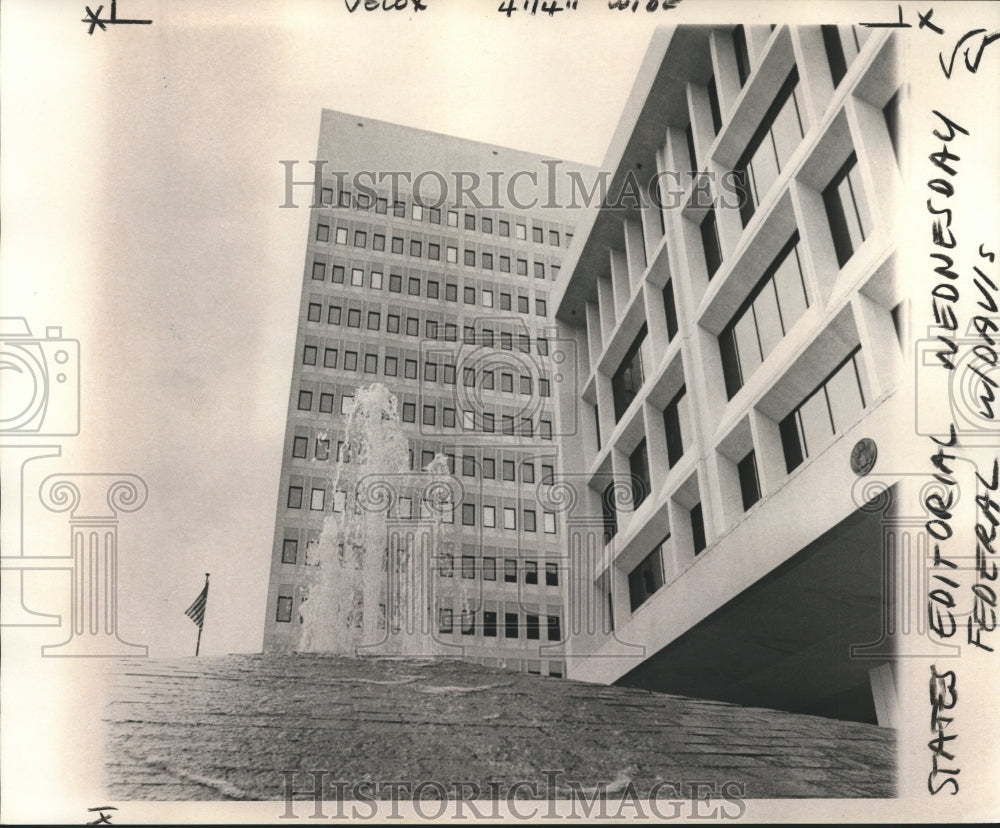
(196, 612)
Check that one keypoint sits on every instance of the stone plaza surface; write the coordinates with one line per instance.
(225, 728)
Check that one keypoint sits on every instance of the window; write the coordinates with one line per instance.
(510, 570)
(505, 301)
(284, 614)
(520, 231)
(353, 317)
(531, 572)
(537, 235)
(319, 271)
(347, 404)
(309, 355)
(470, 258)
(326, 195)
(434, 252)
(505, 264)
(549, 522)
(847, 210)
(531, 628)
(639, 466)
(350, 360)
(670, 310)
(399, 209)
(444, 620)
(469, 295)
(468, 514)
(392, 323)
(375, 280)
(510, 625)
(378, 242)
(468, 622)
(290, 551)
(412, 326)
(371, 363)
(323, 232)
(381, 205)
(451, 292)
(305, 400)
(540, 307)
(522, 267)
(469, 377)
(489, 468)
(489, 517)
(697, 528)
(489, 624)
(609, 513)
(360, 238)
(397, 244)
(300, 446)
(545, 429)
(391, 366)
(828, 410)
(451, 255)
(551, 574)
(452, 218)
(374, 320)
(486, 296)
(326, 403)
(672, 426)
(410, 368)
(413, 286)
(528, 519)
(294, 497)
(646, 578)
(448, 418)
(317, 500)
(770, 147)
(713, 102)
(315, 312)
(710, 242)
(430, 372)
(768, 314)
(487, 261)
(689, 135)
(749, 482)
(628, 378)
(395, 283)
(555, 633)
(432, 290)
(322, 449)
(742, 54)
(435, 215)
(487, 224)
(504, 228)
(554, 238)
(417, 212)
(409, 412)
(341, 237)
(507, 470)
(468, 567)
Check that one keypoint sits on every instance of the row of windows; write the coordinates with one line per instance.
(418, 248)
(434, 371)
(486, 568)
(318, 497)
(432, 288)
(434, 215)
(470, 623)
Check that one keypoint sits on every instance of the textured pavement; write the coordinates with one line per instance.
(226, 727)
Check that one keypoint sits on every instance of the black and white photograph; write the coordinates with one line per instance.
(512, 411)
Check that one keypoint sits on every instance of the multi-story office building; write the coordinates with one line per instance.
(741, 354)
(423, 273)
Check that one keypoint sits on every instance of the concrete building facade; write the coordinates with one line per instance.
(425, 273)
(741, 349)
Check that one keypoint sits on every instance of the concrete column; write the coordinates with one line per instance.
(606, 305)
(595, 343)
(635, 250)
(815, 81)
(622, 287)
(876, 163)
(680, 533)
(727, 78)
(656, 446)
(605, 406)
(819, 258)
(701, 122)
(727, 218)
(656, 322)
(771, 469)
(652, 231)
(881, 360)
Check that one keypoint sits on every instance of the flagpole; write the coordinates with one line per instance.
(197, 646)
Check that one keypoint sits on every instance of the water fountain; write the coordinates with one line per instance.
(370, 592)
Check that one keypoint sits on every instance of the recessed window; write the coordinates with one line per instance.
(378, 242)
(628, 378)
(509, 517)
(468, 622)
(531, 626)
(554, 630)
(639, 466)
(392, 323)
(537, 235)
(417, 212)
(409, 412)
(354, 318)
(448, 418)
(830, 409)
(319, 271)
(770, 148)
(444, 620)
(341, 236)
(300, 446)
(416, 249)
(742, 54)
(323, 232)
(510, 571)
(489, 517)
(749, 482)
(305, 400)
(395, 283)
(487, 261)
(290, 551)
(713, 103)
(489, 624)
(371, 363)
(470, 221)
(309, 355)
(528, 519)
(360, 238)
(531, 572)
(317, 500)
(774, 305)
(549, 522)
(504, 227)
(847, 210)
(672, 426)
(294, 497)
(469, 295)
(432, 290)
(375, 281)
(697, 529)
(410, 368)
(451, 293)
(468, 565)
(551, 574)
(314, 312)
(646, 578)
(399, 209)
(326, 403)
(374, 320)
(284, 611)
(710, 242)
(505, 264)
(522, 267)
(510, 624)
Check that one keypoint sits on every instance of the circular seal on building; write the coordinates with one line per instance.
(863, 456)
